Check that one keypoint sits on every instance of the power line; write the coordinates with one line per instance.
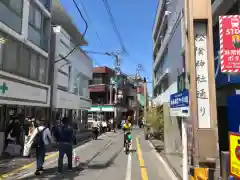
(84, 33)
(89, 19)
(110, 15)
(95, 52)
(117, 32)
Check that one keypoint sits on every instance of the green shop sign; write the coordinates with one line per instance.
(3, 88)
(101, 109)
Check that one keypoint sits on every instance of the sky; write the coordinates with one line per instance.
(134, 20)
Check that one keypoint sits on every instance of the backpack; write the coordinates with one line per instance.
(38, 140)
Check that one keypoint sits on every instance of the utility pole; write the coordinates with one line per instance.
(200, 64)
(117, 74)
(145, 102)
(137, 85)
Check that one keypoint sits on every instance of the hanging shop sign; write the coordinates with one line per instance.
(201, 63)
(230, 43)
(234, 154)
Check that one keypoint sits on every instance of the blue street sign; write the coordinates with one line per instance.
(180, 99)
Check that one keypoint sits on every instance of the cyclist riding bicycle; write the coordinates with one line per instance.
(127, 128)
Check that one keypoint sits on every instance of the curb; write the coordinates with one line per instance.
(169, 163)
(51, 155)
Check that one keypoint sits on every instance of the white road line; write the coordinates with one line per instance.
(166, 166)
(129, 166)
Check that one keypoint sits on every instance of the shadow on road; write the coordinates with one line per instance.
(132, 150)
(107, 164)
(51, 174)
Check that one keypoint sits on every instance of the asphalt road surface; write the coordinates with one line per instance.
(105, 159)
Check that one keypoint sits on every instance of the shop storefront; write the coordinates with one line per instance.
(21, 99)
(72, 106)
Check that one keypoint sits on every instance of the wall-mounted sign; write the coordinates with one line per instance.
(230, 43)
(179, 104)
(20, 91)
(201, 60)
(3, 88)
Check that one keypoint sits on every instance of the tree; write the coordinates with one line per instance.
(156, 122)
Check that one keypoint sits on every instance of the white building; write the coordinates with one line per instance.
(168, 63)
(24, 34)
(71, 75)
(24, 44)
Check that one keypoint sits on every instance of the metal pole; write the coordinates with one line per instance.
(117, 73)
(110, 94)
(145, 102)
(184, 150)
(137, 83)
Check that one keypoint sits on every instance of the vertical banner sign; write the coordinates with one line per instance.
(229, 31)
(201, 60)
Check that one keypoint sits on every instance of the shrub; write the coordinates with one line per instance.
(155, 120)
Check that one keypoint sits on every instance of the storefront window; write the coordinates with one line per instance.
(41, 114)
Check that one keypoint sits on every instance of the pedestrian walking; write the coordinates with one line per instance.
(114, 125)
(66, 139)
(104, 126)
(42, 137)
(95, 127)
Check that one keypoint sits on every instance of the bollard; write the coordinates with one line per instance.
(225, 165)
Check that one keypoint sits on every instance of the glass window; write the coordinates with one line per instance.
(38, 19)
(11, 54)
(34, 35)
(24, 62)
(33, 66)
(97, 80)
(2, 42)
(31, 14)
(16, 5)
(42, 70)
(35, 17)
(1, 54)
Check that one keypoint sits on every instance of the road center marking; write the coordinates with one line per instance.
(141, 161)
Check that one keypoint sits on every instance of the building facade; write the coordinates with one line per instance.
(70, 77)
(168, 63)
(105, 99)
(24, 61)
(102, 93)
(226, 84)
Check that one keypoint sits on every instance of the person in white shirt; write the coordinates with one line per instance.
(104, 126)
(41, 137)
(96, 127)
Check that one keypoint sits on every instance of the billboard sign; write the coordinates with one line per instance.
(230, 43)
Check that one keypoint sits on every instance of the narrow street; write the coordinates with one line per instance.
(105, 159)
